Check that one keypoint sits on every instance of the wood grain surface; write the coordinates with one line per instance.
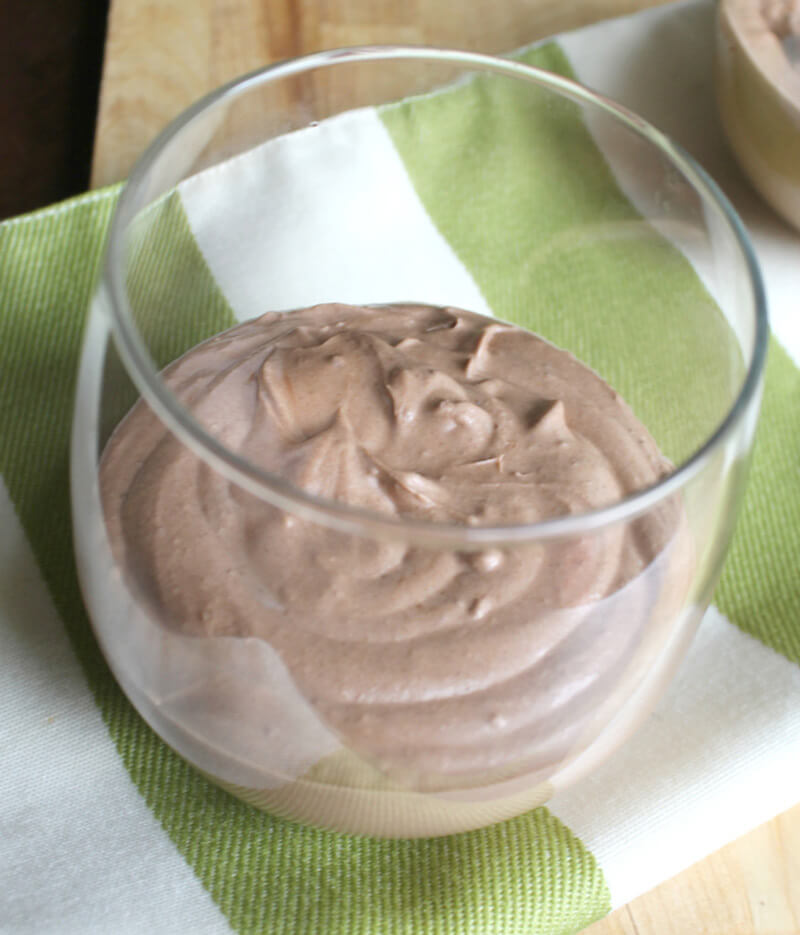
(163, 54)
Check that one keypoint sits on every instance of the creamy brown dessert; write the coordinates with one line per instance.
(438, 670)
(766, 26)
(758, 88)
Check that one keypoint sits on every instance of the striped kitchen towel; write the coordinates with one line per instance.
(104, 829)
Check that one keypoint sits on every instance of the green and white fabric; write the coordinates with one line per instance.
(103, 828)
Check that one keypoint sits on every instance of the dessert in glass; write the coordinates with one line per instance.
(407, 562)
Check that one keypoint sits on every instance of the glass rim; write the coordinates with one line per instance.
(338, 515)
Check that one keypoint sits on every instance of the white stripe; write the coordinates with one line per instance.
(325, 214)
(718, 757)
(660, 64)
(79, 849)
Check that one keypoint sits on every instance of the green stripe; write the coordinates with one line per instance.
(48, 263)
(760, 586)
(278, 877)
(166, 269)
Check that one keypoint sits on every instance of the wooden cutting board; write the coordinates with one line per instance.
(163, 54)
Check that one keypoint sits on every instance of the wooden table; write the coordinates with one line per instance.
(163, 54)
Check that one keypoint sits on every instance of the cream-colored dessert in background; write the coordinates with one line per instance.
(758, 89)
(443, 672)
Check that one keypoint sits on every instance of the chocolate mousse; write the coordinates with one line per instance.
(435, 670)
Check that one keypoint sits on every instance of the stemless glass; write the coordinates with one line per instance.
(488, 184)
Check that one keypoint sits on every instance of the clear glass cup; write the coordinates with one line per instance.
(614, 245)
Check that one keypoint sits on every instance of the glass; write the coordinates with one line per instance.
(757, 80)
(613, 245)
